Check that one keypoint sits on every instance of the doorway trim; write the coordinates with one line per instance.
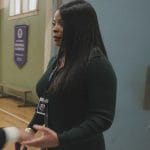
(51, 6)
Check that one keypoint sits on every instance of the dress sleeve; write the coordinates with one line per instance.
(101, 84)
(12, 134)
(2, 138)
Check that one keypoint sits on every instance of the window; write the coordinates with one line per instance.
(22, 7)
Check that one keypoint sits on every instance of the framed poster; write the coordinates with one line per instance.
(20, 44)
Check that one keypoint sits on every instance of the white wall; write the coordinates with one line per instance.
(125, 29)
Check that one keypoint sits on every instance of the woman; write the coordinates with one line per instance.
(78, 90)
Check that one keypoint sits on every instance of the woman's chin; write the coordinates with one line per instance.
(57, 44)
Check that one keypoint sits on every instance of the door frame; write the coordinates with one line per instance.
(49, 48)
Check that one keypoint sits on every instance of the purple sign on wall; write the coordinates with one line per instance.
(20, 45)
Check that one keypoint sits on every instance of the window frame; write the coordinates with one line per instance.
(23, 14)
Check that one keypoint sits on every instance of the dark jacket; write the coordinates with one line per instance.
(2, 138)
(81, 113)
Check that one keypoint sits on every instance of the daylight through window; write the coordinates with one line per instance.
(21, 7)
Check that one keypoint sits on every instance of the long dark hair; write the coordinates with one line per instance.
(81, 30)
(81, 37)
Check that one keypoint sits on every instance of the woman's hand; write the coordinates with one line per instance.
(48, 139)
(24, 135)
